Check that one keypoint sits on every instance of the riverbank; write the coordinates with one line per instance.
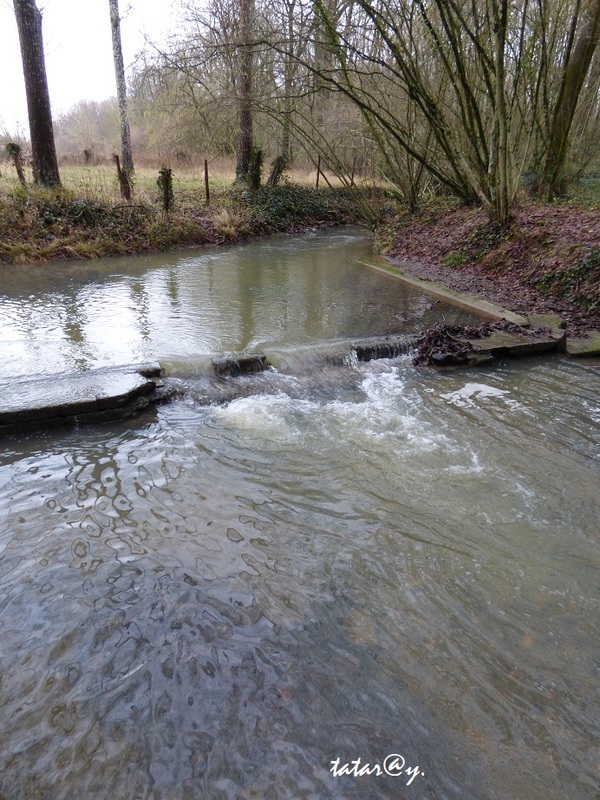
(547, 262)
(42, 225)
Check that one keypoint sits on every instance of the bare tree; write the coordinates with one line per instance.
(29, 25)
(245, 63)
(481, 78)
(576, 66)
(115, 23)
(433, 95)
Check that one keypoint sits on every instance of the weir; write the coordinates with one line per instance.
(105, 395)
(300, 358)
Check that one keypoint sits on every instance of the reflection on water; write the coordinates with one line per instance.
(217, 602)
(175, 308)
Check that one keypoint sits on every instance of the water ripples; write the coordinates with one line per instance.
(219, 602)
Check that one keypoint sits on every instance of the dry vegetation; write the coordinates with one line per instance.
(99, 181)
(87, 218)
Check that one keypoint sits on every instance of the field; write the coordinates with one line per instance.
(100, 183)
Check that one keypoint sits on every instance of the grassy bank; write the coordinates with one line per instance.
(87, 218)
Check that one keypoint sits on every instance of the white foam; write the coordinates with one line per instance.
(271, 416)
(389, 418)
(472, 393)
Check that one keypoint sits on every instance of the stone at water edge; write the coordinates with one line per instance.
(239, 364)
(584, 347)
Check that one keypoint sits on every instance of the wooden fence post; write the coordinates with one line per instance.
(206, 188)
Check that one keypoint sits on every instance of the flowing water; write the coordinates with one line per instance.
(343, 562)
(180, 308)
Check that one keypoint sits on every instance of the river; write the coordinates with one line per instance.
(236, 600)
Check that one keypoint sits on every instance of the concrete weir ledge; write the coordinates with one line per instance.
(574, 346)
(120, 392)
(70, 399)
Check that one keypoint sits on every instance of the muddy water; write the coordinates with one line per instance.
(178, 308)
(219, 601)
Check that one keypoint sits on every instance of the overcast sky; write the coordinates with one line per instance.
(78, 51)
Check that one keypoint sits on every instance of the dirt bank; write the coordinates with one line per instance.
(548, 261)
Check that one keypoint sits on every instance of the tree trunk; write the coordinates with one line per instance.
(115, 23)
(29, 25)
(575, 71)
(288, 80)
(245, 60)
(499, 179)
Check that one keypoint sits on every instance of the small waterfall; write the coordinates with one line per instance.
(344, 352)
(239, 364)
(319, 370)
(388, 347)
